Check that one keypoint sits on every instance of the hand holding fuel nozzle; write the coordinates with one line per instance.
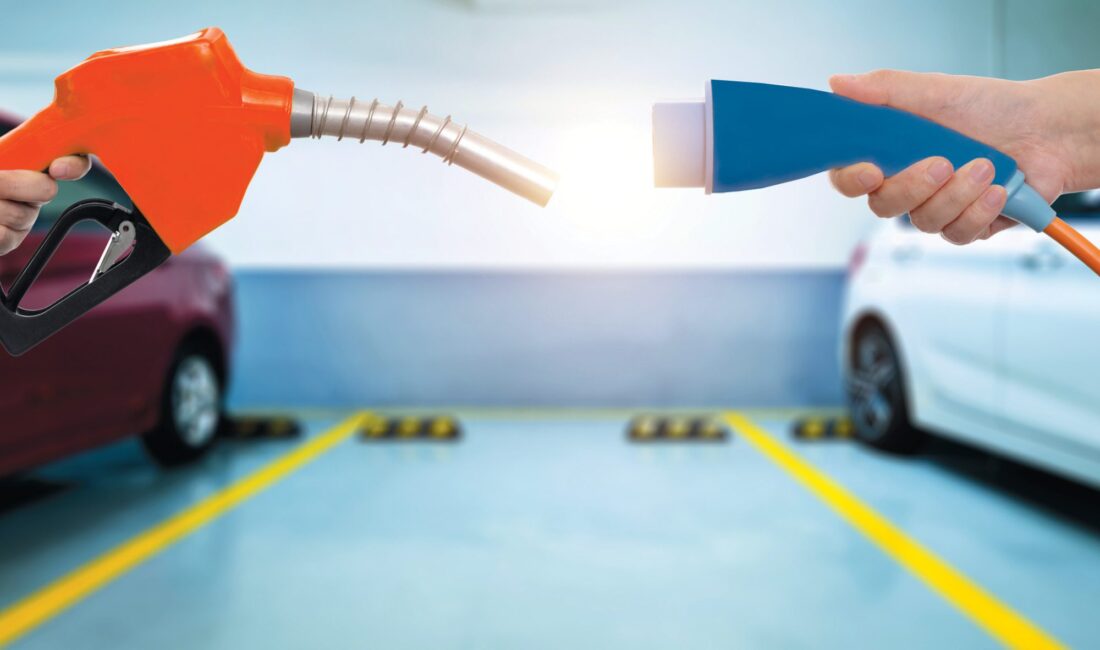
(899, 138)
(190, 102)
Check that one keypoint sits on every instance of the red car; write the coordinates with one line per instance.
(152, 360)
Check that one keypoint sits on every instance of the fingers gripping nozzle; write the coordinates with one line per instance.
(353, 119)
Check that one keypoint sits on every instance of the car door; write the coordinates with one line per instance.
(948, 307)
(1052, 351)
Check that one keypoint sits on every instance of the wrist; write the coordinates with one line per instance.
(1068, 120)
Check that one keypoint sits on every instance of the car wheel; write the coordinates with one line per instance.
(191, 409)
(876, 393)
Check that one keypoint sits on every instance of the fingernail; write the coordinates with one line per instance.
(867, 180)
(939, 171)
(981, 171)
(993, 196)
(949, 240)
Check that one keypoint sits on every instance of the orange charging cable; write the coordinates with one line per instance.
(1075, 242)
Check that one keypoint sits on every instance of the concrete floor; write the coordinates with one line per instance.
(550, 532)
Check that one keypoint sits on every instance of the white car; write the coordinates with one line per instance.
(996, 344)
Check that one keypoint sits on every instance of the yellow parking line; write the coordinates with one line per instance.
(66, 591)
(998, 619)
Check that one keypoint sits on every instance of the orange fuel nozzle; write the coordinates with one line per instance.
(181, 124)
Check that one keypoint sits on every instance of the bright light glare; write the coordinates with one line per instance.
(606, 190)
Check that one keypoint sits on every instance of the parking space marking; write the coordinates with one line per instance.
(1006, 625)
(70, 589)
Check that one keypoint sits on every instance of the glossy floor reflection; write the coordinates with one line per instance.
(548, 532)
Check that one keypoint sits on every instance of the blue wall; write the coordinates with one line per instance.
(747, 338)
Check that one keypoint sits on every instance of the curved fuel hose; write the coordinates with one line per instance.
(353, 119)
(750, 135)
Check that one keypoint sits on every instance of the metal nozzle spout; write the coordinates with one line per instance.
(314, 117)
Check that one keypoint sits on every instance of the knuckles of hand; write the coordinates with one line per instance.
(18, 217)
(27, 187)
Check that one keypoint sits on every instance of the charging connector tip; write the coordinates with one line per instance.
(679, 144)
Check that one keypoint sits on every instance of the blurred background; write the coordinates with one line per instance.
(359, 276)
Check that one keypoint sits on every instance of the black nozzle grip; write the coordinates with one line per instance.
(22, 329)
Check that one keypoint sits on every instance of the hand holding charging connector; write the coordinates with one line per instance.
(191, 101)
(750, 135)
(1047, 125)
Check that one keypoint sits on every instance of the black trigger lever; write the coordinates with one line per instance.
(22, 329)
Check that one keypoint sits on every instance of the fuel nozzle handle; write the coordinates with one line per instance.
(353, 119)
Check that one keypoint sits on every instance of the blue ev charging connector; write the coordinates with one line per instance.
(750, 135)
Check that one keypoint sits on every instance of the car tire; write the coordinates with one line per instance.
(191, 408)
(876, 393)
